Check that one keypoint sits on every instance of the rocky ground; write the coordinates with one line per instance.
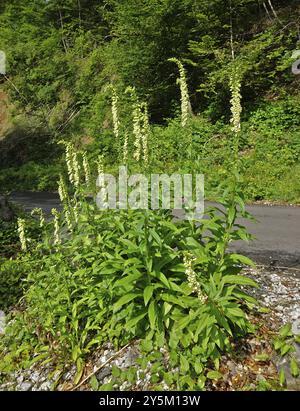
(254, 364)
(279, 290)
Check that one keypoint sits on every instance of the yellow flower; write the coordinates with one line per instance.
(22, 236)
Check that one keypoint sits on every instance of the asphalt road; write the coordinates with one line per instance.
(277, 229)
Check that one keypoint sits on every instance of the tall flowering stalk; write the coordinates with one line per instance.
(145, 131)
(55, 214)
(137, 132)
(185, 100)
(236, 110)
(64, 198)
(40, 214)
(100, 165)
(141, 128)
(115, 113)
(235, 102)
(69, 162)
(188, 260)
(86, 168)
(62, 190)
(76, 169)
(72, 164)
(21, 232)
(101, 182)
(125, 148)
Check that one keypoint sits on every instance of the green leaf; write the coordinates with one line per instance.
(214, 375)
(286, 330)
(285, 349)
(239, 279)
(152, 314)
(181, 324)
(282, 377)
(94, 383)
(80, 368)
(242, 259)
(147, 345)
(128, 279)
(163, 279)
(155, 236)
(172, 299)
(184, 364)
(262, 357)
(235, 311)
(198, 367)
(125, 299)
(294, 368)
(148, 292)
(133, 321)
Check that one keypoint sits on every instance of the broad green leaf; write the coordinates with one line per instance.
(286, 330)
(285, 349)
(94, 383)
(163, 279)
(128, 279)
(181, 324)
(184, 364)
(236, 312)
(131, 323)
(214, 375)
(148, 292)
(170, 298)
(125, 299)
(294, 368)
(242, 259)
(239, 279)
(282, 377)
(152, 314)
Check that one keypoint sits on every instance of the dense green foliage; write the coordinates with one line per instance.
(133, 274)
(61, 57)
(12, 274)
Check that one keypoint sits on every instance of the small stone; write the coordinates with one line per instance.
(104, 372)
(46, 386)
(20, 379)
(260, 378)
(35, 377)
(296, 327)
(25, 386)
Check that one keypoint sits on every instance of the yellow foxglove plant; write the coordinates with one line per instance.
(145, 131)
(21, 232)
(101, 182)
(55, 214)
(115, 114)
(141, 127)
(137, 132)
(76, 169)
(62, 190)
(39, 212)
(235, 102)
(185, 100)
(69, 162)
(64, 198)
(86, 168)
(125, 148)
(188, 260)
